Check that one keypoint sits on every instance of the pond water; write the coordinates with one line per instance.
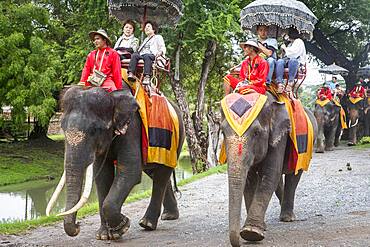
(29, 200)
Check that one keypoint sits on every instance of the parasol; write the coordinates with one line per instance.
(163, 12)
(334, 69)
(279, 15)
(364, 71)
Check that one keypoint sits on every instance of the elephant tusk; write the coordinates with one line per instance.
(355, 123)
(85, 194)
(56, 193)
(349, 123)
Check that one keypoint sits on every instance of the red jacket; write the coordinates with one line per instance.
(111, 66)
(357, 91)
(325, 92)
(255, 72)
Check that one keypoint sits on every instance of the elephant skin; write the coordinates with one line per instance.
(256, 164)
(328, 122)
(90, 119)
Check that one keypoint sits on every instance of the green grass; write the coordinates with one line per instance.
(364, 142)
(57, 137)
(91, 209)
(22, 162)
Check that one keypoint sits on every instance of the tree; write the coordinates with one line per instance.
(30, 64)
(341, 34)
(205, 31)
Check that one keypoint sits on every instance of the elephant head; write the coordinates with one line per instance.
(327, 118)
(90, 119)
(269, 129)
(355, 112)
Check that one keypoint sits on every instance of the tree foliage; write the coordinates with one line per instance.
(30, 65)
(342, 34)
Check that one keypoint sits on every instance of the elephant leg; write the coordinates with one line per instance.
(279, 192)
(250, 187)
(329, 141)
(287, 207)
(104, 179)
(128, 175)
(270, 174)
(170, 210)
(161, 176)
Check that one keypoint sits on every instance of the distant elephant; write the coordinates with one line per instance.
(356, 121)
(328, 122)
(256, 163)
(89, 121)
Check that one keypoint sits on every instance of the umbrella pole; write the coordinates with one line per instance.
(142, 25)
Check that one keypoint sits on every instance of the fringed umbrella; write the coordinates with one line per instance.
(334, 69)
(163, 12)
(364, 71)
(279, 15)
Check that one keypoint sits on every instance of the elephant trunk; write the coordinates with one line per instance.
(237, 173)
(74, 179)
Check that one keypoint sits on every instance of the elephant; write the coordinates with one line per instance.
(257, 163)
(101, 128)
(357, 118)
(328, 122)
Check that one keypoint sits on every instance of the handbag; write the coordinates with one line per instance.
(97, 78)
(162, 62)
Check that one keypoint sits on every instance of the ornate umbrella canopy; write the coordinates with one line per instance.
(333, 70)
(364, 71)
(280, 15)
(163, 12)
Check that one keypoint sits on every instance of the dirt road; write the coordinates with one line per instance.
(332, 209)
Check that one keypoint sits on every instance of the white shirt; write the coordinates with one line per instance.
(296, 49)
(154, 46)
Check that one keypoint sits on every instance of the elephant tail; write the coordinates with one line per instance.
(175, 188)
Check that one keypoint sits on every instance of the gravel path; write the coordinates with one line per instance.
(332, 209)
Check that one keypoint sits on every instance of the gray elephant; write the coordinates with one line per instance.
(257, 160)
(357, 118)
(328, 122)
(90, 119)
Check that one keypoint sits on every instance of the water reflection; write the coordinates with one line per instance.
(29, 200)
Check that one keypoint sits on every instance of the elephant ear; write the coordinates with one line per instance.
(280, 123)
(125, 106)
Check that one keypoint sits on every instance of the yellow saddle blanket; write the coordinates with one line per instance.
(355, 100)
(241, 110)
(301, 134)
(160, 134)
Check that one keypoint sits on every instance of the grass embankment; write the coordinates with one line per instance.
(364, 142)
(26, 161)
(90, 209)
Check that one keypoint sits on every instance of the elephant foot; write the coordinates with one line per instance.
(321, 151)
(102, 233)
(329, 148)
(351, 144)
(252, 233)
(115, 233)
(287, 217)
(166, 215)
(147, 224)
